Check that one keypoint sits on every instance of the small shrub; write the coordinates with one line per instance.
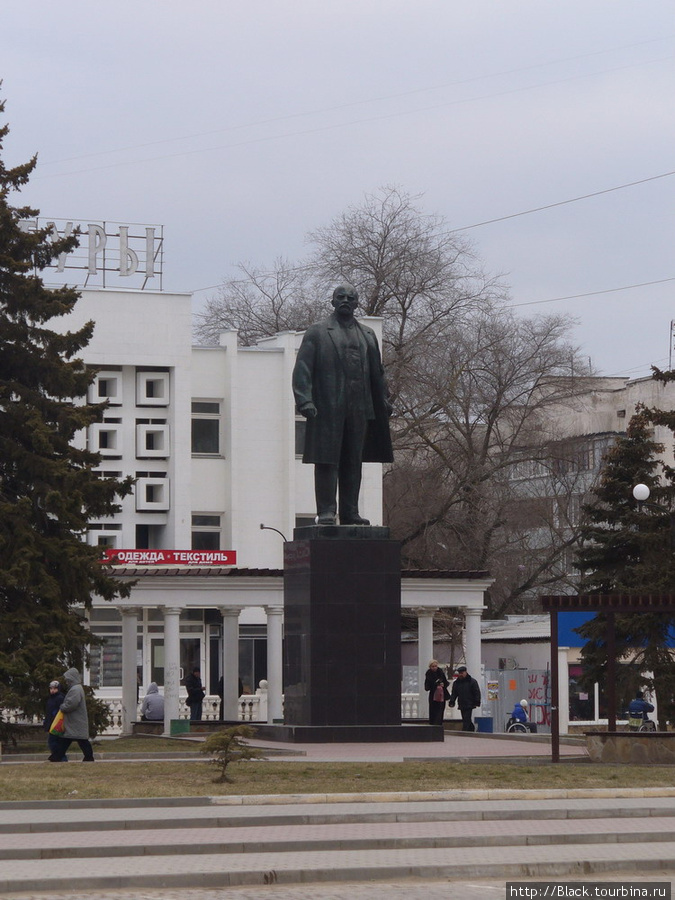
(227, 746)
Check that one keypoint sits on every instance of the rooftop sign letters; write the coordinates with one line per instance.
(128, 255)
(157, 557)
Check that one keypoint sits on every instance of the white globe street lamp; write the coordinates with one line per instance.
(641, 492)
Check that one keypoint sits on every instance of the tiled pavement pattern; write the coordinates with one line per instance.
(412, 889)
(456, 747)
(268, 847)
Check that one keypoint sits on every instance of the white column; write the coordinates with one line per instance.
(171, 665)
(274, 663)
(563, 691)
(425, 652)
(129, 679)
(230, 663)
(472, 650)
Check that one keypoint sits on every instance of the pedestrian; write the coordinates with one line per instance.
(520, 712)
(152, 708)
(195, 694)
(76, 720)
(466, 694)
(638, 709)
(436, 683)
(54, 701)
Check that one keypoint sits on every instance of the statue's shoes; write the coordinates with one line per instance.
(357, 520)
(325, 520)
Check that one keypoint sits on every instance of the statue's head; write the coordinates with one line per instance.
(345, 299)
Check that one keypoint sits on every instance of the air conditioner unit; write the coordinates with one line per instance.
(507, 662)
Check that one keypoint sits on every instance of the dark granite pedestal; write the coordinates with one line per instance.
(342, 640)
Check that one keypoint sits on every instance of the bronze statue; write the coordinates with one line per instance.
(340, 388)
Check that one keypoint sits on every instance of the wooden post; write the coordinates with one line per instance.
(611, 672)
(555, 713)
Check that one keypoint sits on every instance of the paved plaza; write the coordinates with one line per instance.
(449, 844)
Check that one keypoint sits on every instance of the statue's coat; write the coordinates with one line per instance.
(319, 378)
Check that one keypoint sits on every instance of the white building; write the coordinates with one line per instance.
(210, 434)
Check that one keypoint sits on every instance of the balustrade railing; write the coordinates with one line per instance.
(250, 708)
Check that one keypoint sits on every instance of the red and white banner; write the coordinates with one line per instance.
(157, 557)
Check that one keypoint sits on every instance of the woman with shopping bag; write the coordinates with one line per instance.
(436, 683)
(75, 720)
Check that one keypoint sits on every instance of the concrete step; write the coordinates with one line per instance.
(68, 847)
(379, 836)
(54, 820)
(226, 870)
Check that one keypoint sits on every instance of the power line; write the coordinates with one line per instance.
(625, 287)
(337, 108)
(527, 212)
(325, 128)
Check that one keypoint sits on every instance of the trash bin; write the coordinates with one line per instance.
(484, 724)
(180, 726)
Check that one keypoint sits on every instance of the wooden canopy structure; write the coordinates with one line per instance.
(611, 605)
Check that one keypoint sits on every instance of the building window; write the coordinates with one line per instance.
(152, 440)
(152, 493)
(106, 439)
(206, 427)
(108, 535)
(152, 388)
(106, 386)
(205, 532)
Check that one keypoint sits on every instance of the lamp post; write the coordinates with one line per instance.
(641, 492)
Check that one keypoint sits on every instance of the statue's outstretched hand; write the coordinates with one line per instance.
(308, 411)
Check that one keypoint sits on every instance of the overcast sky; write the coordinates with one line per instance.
(240, 126)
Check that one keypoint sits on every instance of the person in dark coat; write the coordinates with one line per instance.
(54, 701)
(435, 678)
(195, 694)
(340, 389)
(76, 719)
(639, 707)
(466, 694)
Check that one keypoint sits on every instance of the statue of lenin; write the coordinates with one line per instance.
(340, 388)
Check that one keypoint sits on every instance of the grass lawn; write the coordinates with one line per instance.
(195, 778)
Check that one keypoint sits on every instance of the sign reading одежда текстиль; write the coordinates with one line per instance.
(157, 557)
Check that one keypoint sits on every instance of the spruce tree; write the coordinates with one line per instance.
(627, 547)
(49, 489)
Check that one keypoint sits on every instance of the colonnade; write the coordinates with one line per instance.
(425, 644)
(230, 658)
(229, 663)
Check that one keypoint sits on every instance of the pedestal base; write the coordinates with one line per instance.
(342, 628)
(348, 734)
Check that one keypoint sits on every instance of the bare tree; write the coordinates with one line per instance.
(470, 416)
(471, 385)
(261, 302)
(409, 269)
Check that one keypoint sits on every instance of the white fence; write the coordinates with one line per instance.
(251, 708)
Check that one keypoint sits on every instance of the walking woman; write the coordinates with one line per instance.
(437, 684)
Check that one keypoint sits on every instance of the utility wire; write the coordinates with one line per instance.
(337, 108)
(527, 212)
(625, 287)
(325, 128)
